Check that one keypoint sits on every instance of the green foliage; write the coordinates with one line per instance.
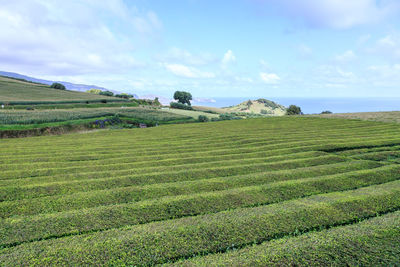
(156, 102)
(58, 86)
(326, 112)
(124, 95)
(242, 192)
(44, 116)
(268, 103)
(203, 118)
(229, 116)
(293, 110)
(183, 97)
(106, 93)
(15, 92)
(94, 91)
(265, 112)
(180, 106)
(368, 243)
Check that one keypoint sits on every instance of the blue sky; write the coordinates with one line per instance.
(243, 48)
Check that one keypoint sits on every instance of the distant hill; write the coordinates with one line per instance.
(68, 85)
(13, 90)
(259, 106)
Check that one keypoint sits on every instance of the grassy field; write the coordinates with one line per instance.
(191, 113)
(255, 192)
(388, 116)
(15, 91)
(44, 116)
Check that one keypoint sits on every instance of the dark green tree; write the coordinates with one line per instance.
(183, 97)
(58, 86)
(293, 110)
(106, 93)
(203, 118)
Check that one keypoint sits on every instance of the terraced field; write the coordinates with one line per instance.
(14, 91)
(276, 191)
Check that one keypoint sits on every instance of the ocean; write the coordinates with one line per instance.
(315, 105)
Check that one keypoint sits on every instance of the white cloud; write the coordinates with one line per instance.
(346, 57)
(41, 37)
(388, 47)
(337, 14)
(187, 72)
(228, 58)
(181, 56)
(270, 78)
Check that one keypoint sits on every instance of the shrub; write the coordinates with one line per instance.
(203, 118)
(106, 93)
(94, 91)
(228, 116)
(180, 106)
(265, 112)
(326, 112)
(293, 110)
(103, 101)
(122, 96)
(58, 86)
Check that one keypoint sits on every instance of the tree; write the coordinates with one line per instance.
(293, 110)
(326, 112)
(58, 86)
(183, 97)
(94, 91)
(106, 93)
(156, 102)
(203, 118)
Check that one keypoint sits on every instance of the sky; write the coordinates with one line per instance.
(224, 48)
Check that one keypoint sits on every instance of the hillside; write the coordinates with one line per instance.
(13, 90)
(68, 85)
(239, 192)
(259, 106)
(385, 116)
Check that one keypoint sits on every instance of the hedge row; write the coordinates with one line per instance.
(95, 198)
(106, 180)
(100, 100)
(168, 241)
(369, 243)
(125, 150)
(150, 143)
(272, 149)
(210, 140)
(150, 167)
(55, 175)
(95, 219)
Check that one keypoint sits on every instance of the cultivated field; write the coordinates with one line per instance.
(57, 115)
(191, 113)
(15, 91)
(388, 116)
(275, 191)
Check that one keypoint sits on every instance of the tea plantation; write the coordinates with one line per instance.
(256, 192)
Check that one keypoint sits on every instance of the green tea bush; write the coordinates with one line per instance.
(58, 86)
(180, 106)
(203, 118)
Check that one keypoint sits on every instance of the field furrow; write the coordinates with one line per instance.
(190, 194)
